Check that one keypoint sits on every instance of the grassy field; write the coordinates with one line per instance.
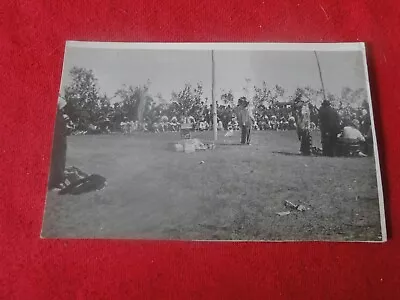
(235, 194)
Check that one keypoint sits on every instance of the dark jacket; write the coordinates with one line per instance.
(329, 119)
(58, 156)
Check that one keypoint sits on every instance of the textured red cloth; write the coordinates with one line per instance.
(32, 36)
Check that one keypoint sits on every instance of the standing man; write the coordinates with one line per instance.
(246, 120)
(329, 121)
(302, 119)
(59, 151)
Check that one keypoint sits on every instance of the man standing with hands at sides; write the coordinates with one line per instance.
(329, 121)
(59, 151)
(246, 120)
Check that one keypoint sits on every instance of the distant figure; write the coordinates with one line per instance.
(164, 123)
(292, 123)
(274, 123)
(203, 124)
(191, 120)
(365, 124)
(155, 127)
(246, 120)
(283, 124)
(174, 124)
(220, 125)
(59, 153)
(330, 127)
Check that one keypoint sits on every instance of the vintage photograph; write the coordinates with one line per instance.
(215, 141)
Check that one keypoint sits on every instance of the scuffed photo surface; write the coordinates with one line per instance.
(292, 157)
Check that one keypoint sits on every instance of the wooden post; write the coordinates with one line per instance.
(320, 75)
(214, 102)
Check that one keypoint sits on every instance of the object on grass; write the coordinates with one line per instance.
(189, 148)
(290, 204)
(185, 130)
(78, 182)
(229, 133)
(301, 208)
(283, 213)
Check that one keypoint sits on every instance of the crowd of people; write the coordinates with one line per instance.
(275, 117)
(339, 126)
(344, 131)
(227, 119)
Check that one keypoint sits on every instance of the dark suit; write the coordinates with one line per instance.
(246, 120)
(330, 127)
(59, 153)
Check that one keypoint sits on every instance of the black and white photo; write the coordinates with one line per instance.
(218, 141)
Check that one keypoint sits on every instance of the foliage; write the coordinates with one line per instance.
(135, 101)
(187, 102)
(227, 98)
(84, 103)
(86, 106)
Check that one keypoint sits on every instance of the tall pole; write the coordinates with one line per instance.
(320, 75)
(214, 102)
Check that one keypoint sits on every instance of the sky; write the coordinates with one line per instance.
(169, 70)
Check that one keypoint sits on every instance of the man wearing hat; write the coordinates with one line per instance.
(330, 127)
(246, 120)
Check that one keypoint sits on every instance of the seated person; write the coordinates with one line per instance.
(220, 126)
(207, 125)
(356, 123)
(202, 125)
(292, 123)
(192, 120)
(155, 127)
(164, 123)
(174, 123)
(235, 123)
(273, 123)
(283, 124)
(145, 127)
(350, 141)
(230, 126)
(134, 126)
(261, 124)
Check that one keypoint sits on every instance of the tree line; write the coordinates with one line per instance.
(87, 107)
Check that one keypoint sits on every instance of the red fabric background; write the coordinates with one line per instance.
(32, 36)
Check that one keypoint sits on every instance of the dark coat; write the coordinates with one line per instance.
(329, 120)
(59, 153)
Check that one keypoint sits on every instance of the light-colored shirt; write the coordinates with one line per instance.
(303, 118)
(246, 117)
(352, 133)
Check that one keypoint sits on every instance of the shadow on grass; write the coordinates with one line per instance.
(230, 144)
(313, 155)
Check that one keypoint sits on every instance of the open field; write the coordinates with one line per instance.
(235, 194)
